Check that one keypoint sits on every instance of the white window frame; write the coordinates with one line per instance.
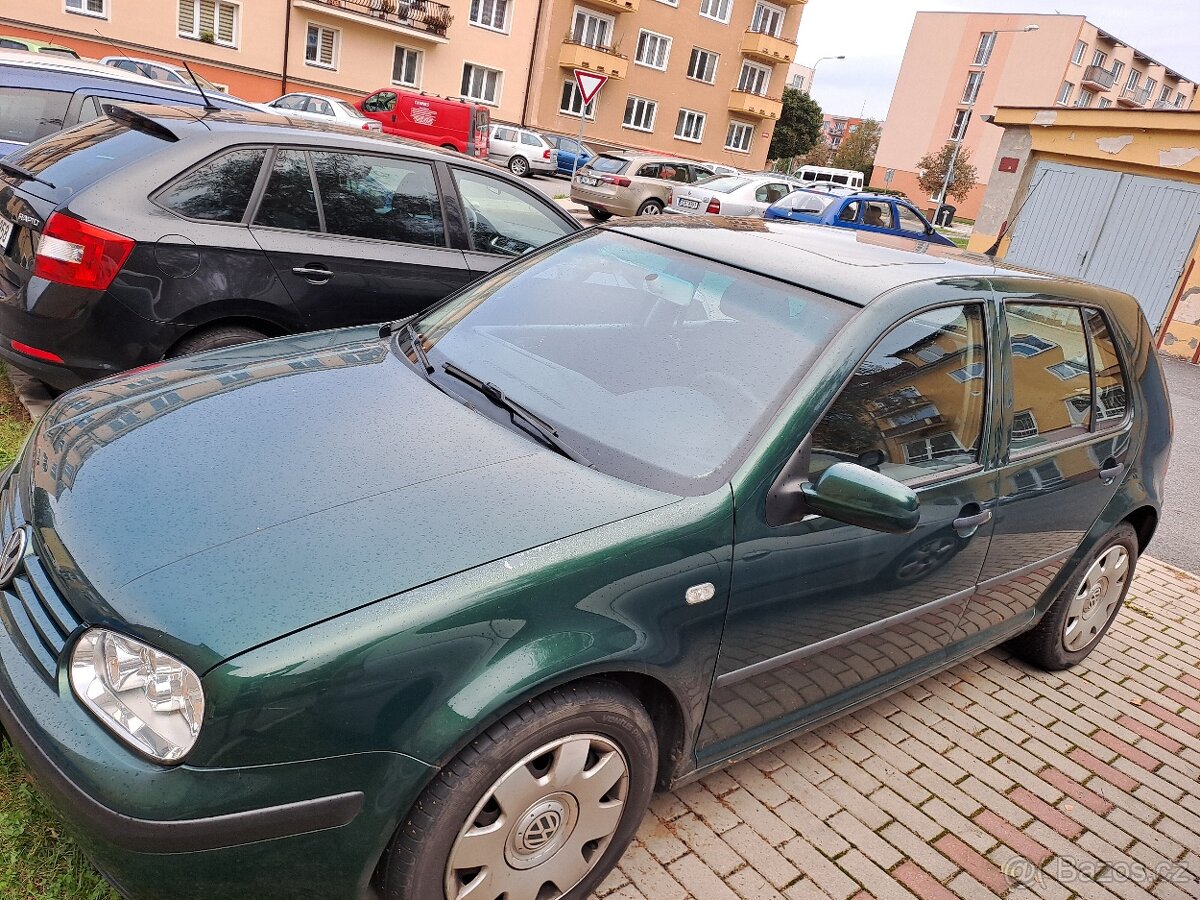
(1064, 93)
(420, 65)
(1081, 47)
(588, 110)
(645, 103)
(710, 4)
(482, 68)
(690, 117)
(742, 127)
(716, 62)
(984, 53)
(1135, 79)
(82, 9)
(503, 29)
(674, 3)
(1085, 98)
(656, 40)
(1164, 96)
(961, 120)
(797, 82)
(1117, 68)
(1099, 58)
(971, 89)
(764, 71)
(763, 10)
(611, 22)
(337, 46)
(1179, 99)
(237, 23)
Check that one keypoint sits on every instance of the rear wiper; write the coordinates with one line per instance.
(14, 169)
(543, 430)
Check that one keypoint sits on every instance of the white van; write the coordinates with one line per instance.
(822, 176)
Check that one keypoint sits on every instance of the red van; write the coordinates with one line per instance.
(453, 124)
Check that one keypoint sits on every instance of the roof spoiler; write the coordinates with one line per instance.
(138, 122)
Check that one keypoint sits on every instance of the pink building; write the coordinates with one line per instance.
(959, 67)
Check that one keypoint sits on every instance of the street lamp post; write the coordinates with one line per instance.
(813, 78)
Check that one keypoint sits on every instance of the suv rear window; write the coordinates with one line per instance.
(28, 114)
(612, 165)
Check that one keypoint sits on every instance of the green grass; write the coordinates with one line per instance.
(37, 860)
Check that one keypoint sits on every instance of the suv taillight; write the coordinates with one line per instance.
(81, 255)
(714, 207)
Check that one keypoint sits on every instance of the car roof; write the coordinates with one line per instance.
(846, 263)
(147, 62)
(34, 43)
(67, 64)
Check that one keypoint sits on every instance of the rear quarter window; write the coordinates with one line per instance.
(27, 114)
(217, 191)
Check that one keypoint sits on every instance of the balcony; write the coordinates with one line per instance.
(1098, 78)
(767, 48)
(757, 106)
(605, 60)
(617, 6)
(1134, 97)
(419, 18)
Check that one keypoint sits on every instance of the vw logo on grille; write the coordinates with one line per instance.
(542, 829)
(13, 553)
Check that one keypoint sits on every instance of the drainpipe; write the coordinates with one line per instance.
(287, 39)
(532, 56)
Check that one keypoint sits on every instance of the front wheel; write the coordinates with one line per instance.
(539, 807)
(519, 166)
(650, 208)
(1087, 606)
(600, 215)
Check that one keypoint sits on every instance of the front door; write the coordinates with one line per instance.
(365, 243)
(821, 612)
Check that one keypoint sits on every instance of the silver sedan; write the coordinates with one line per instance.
(730, 195)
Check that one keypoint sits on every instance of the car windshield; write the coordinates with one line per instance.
(348, 109)
(660, 367)
(725, 184)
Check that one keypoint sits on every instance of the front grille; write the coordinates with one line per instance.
(41, 616)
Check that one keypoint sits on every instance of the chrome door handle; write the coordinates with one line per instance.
(964, 523)
(1109, 475)
(313, 272)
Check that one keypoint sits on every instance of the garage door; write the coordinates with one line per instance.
(1129, 232)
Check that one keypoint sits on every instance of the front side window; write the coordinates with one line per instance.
(491, 14)
(98, 8)
(571, 101)
(290, 200)
(379, 198)
(909, 220)
(850, 211)
(211, 21)
(406, 67)
(384, 101)
(906, 412)
(739, 136)
(503, 219)
(578, 336)
(320, 47)
(716, 9)
(653, 50)
(219, 190)
(689, 126)
(639, 114)
(1050, 376)
(482, 84)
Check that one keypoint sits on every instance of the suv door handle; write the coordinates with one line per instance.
(315, 274)
(969, 523)
(1109, 475)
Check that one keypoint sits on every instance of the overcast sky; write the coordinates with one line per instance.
(874, 33)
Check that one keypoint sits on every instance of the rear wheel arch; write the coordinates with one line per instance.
(264, 326)
(1144, 520)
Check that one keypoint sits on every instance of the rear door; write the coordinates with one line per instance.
(356, 237)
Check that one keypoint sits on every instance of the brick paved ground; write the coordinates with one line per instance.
(989, 779)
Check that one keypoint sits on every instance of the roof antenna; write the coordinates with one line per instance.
(142, 70)
(209, 106)
(1007, 226)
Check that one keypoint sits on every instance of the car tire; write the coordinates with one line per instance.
(215, 339)
(600, 215)
(450, 147)
(650, 208)
(1085, 609)
(536, 755)
(519, 166)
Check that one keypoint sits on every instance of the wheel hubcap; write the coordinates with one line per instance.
(543, 825)
(1097, 598)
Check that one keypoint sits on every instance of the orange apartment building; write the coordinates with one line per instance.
(959, 67)
(694, 78)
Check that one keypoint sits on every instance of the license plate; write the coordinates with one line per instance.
(6, 230)
(688, 204)
(590, 182)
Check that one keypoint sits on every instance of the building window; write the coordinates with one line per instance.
(591, 30)
(482, 84)
(797, 82)
(492, 14)
(716, 9)
(767, 19)
(670, 2)
(983, 53)
(1151, 84)
(1165, 96)
(1134, 77)
(96, 8)
(1179, 98)
(653, 50)
(971, 91)
(690, 126)
(571, 101)
(1105, 103)
(1064, 93)
(1024, 424)
(972, 372)
(1117, 69)
(753, 79)
(208, 20)
(1085, 98)
(1080, 50)
(321, 46)
(406, 66)
(1099, 58)
(960, 124)
(739, 136)
(703, 65)
(640, 113)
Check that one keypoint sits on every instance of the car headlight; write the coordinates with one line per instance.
(147, 698)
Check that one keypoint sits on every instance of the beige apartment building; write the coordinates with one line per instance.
(959, 67)
(694, 78)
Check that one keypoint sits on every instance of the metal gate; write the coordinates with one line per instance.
(1129, 232)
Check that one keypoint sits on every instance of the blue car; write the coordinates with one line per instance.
(569, 150)
(868, 212)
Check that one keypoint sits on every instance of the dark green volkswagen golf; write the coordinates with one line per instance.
(431, 610)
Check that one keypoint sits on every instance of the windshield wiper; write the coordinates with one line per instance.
(543, 429)
(14, 169)
(418, 344)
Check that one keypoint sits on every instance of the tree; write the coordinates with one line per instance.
(932, 172)
(820, 155)
(799, 127)
(858, 149)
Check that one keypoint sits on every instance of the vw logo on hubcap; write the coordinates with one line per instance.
(541, 830)
(11, 556)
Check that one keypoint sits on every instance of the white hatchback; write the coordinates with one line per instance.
(524, 152)
(322, 108)
(730, 195)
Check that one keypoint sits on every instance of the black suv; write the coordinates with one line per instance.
(154, 232)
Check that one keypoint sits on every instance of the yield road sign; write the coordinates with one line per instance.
(589, 84)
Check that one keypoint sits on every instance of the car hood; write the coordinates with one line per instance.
(215, 503)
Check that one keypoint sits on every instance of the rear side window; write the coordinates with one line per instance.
(612, 165)
(1052, 385)
(28, 114)
(530, 140)
(289, 201)
(1111, 388)
(380, 198)
(219, 190)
